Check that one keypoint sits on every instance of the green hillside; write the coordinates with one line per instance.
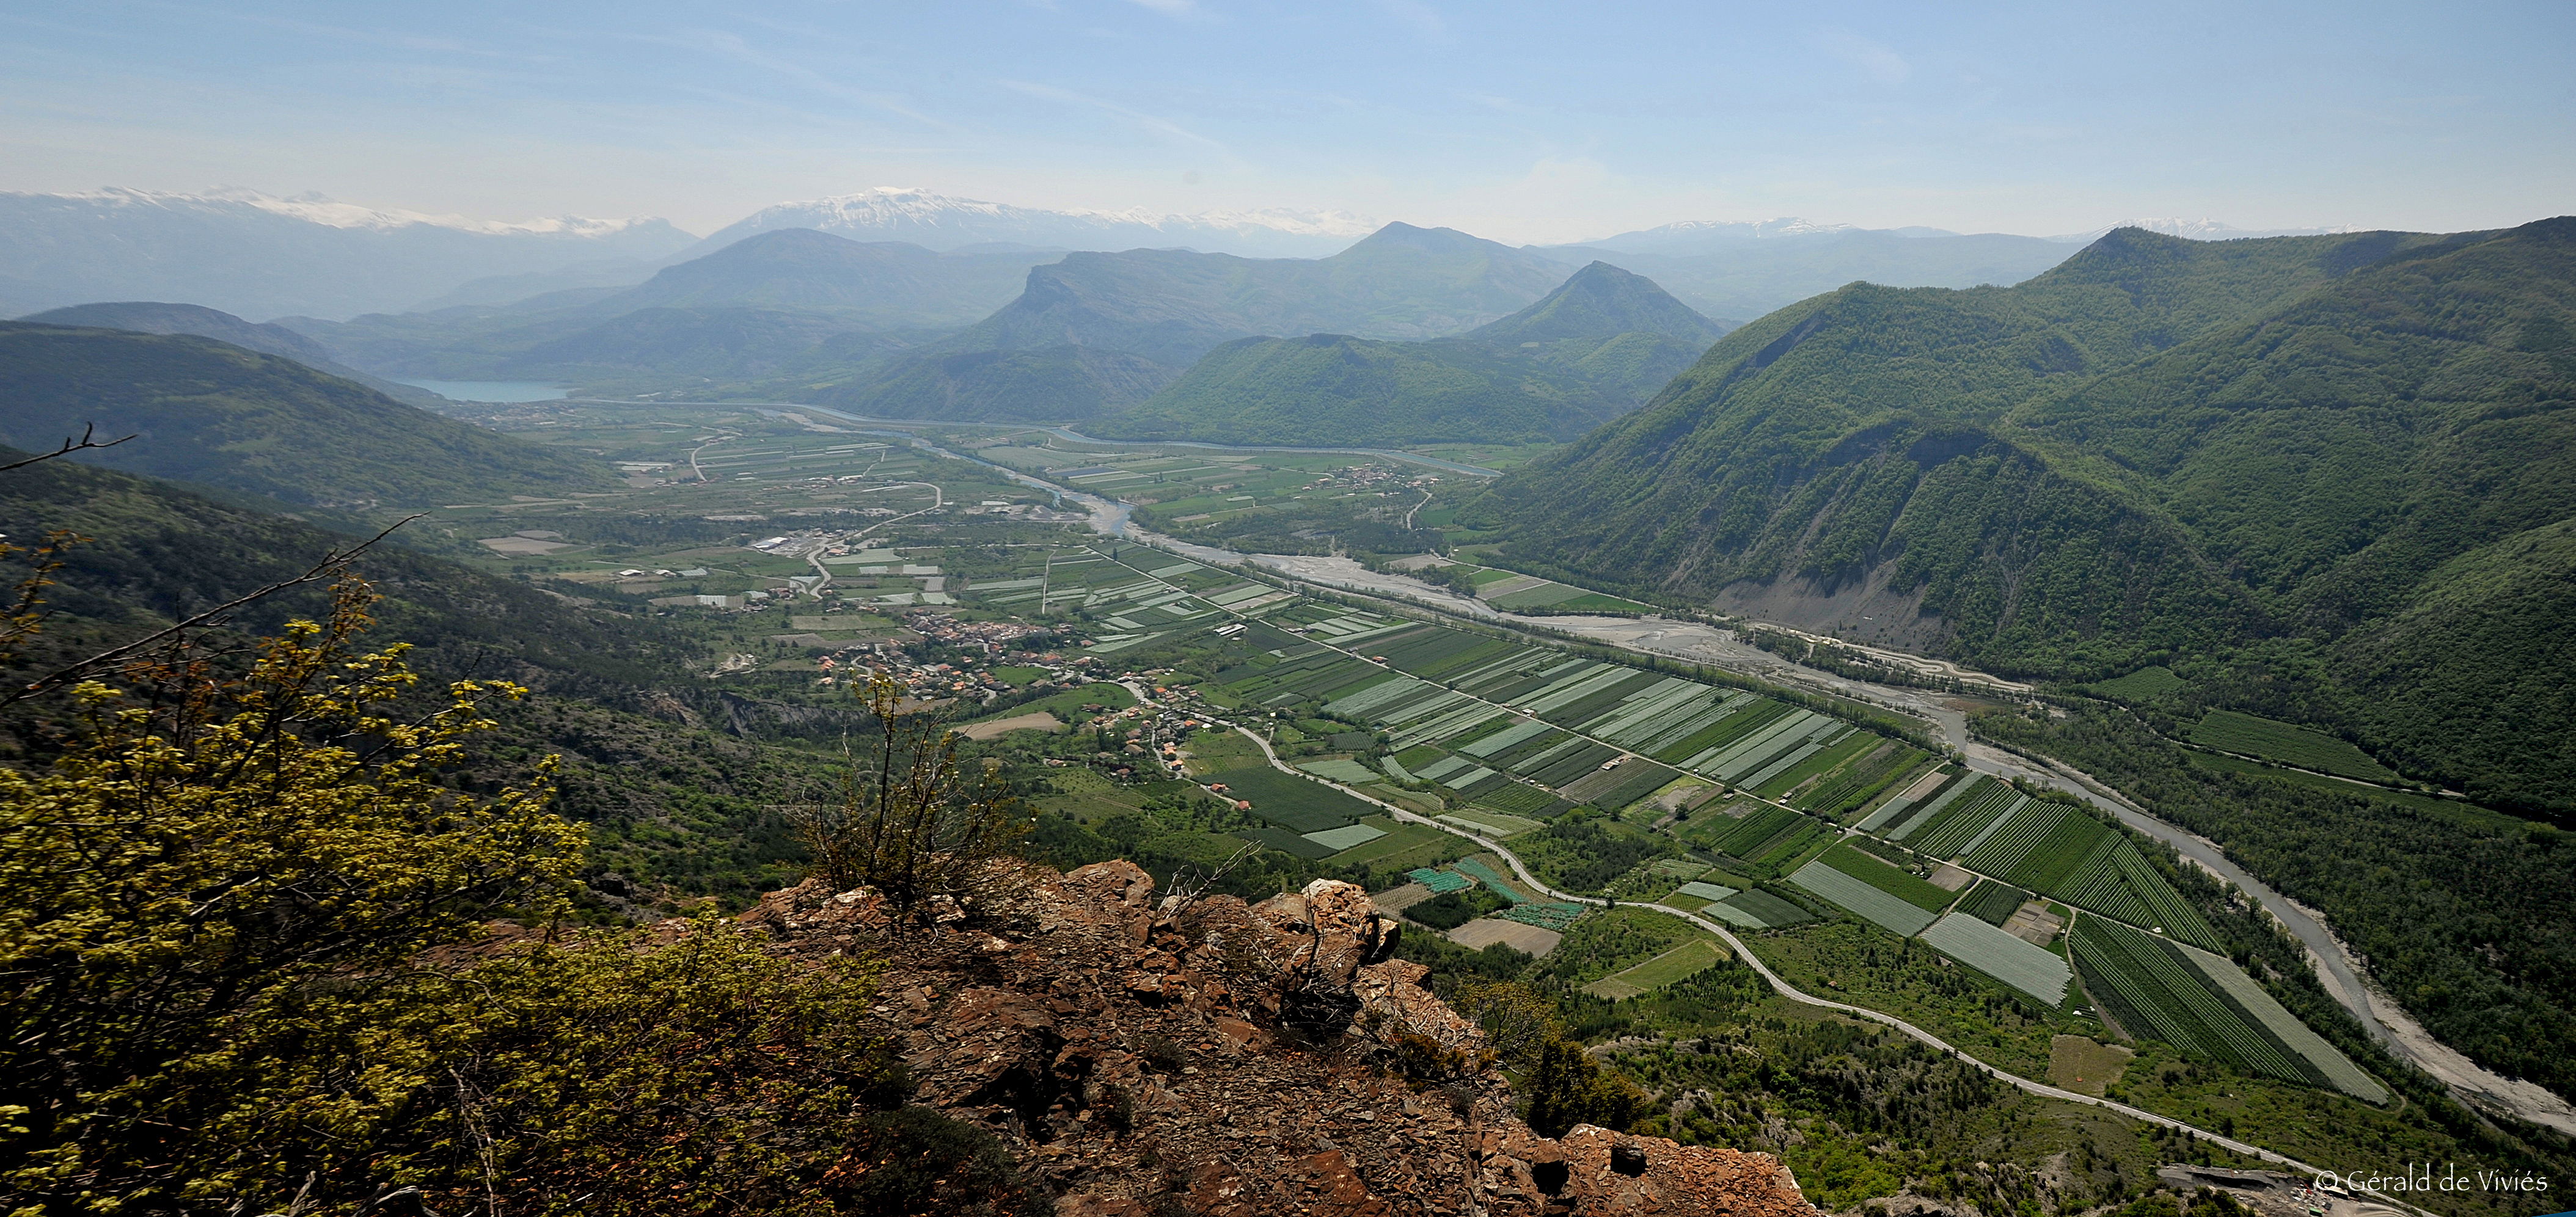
(1333, 388)
(155, 317)
(1046, 385)
(2235, 453)
(1592, 349)
(158, 552)
(207, 412)
(1600, 302)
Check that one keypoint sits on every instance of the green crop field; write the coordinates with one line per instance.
(1294, 803)
(1862, 779)
(2228, 731)
(1749, 833)
(1862, 898)
(2007, 846)
(1994, 903)
(2157, 988)
(2056, 855)
(1679, 963)
(1823, 761)
(2116, 881)
(1878, 874)
(2145, 684)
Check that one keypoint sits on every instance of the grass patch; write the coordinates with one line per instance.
(2145, 684)
(1679, 963)
(2084, 1065)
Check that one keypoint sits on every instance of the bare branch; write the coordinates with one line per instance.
(86, 442)
(329, 567)
(1183, 894)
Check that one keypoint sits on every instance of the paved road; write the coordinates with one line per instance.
(1785, 989)
(1698, 642)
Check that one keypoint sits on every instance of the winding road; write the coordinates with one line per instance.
(1787, 990)
(1698, 642)
(1702, 643)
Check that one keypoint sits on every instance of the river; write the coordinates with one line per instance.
(1716, 646)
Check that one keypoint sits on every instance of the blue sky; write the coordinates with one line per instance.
(1521, 122)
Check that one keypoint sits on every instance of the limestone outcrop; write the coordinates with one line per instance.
(1220, 1058)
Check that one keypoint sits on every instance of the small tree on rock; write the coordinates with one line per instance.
(909, 824)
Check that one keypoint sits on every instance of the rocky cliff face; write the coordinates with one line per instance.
(1145, 1059)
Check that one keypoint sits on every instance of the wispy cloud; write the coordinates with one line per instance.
(1879, 61)
(1503, 104)
(724, 44)
(1169, 8)
(1150, 123)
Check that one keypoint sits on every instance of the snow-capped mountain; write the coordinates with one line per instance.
(937, 221)
(261, 256)
(2198, 230)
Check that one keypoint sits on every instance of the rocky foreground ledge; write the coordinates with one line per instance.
(1220, 1058)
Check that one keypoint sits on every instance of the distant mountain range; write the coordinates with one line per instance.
(1170, 307)
(257, 255)
(1593, 349)
(939, 222)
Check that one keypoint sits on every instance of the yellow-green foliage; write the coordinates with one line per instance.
(225, 976)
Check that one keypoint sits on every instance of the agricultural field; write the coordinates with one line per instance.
(2229, 731)
(1251, 500)
(1993, 903)
(1970, 940)
(1678, 964)
(1880, 874)
(2143, 685)
(1532, 596)
(2061, 851)
(1862, 898)
(1890, 764)
(2204, 1005)
(1965, 819)
(1754, 909)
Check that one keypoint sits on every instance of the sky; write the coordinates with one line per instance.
(1519, 122)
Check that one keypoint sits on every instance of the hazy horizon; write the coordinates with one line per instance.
(1514, 124)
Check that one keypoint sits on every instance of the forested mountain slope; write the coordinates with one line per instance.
(156, 317)
(2261, 450)
(158, 552)
(208, 412)
(1336, 389)
(1594, 348)
(1598, 302)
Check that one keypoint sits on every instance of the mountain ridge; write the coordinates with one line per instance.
(1915, 454)
(215, 414)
